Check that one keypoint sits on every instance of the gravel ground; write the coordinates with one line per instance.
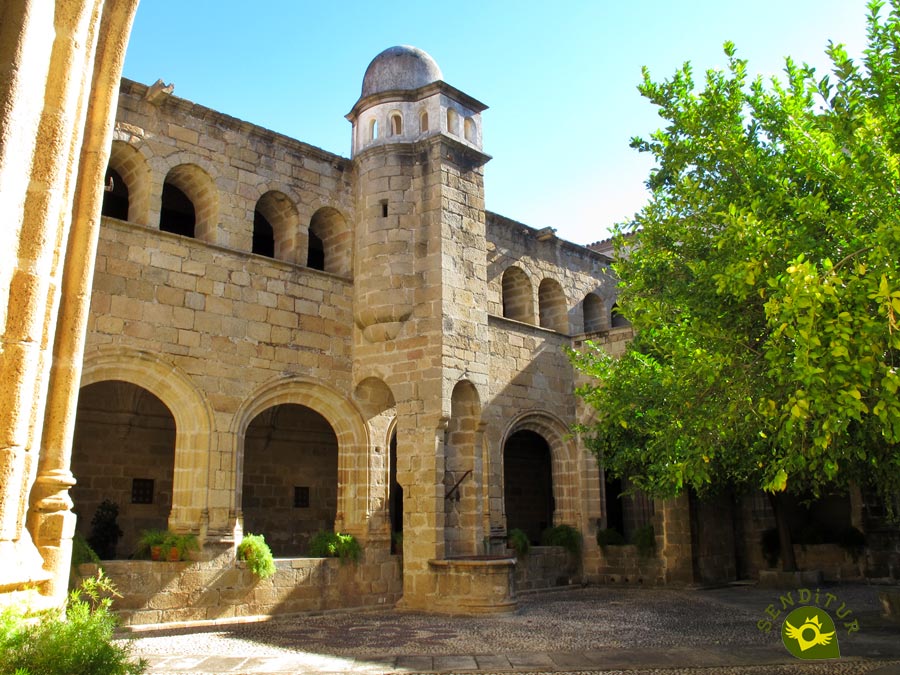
(578, 620)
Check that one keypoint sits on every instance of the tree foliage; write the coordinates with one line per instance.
(762, 282)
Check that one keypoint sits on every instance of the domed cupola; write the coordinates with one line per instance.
(400, 69)
(405, 99)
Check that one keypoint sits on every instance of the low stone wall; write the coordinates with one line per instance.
(546, 567)
(622, 564)
(833, 561)
(166, 592)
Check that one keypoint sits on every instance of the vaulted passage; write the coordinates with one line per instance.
(123, 452)
(528, 484)
(290, 486)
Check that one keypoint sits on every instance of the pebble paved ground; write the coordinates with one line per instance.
(596, 629)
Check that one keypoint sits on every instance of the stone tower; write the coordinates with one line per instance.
(420, 308)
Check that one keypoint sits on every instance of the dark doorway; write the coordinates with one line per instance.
(528, 484)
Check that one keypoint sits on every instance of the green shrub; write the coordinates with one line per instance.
(610, 537)
(562, 535)
(105, 530)
(49, 644)
(644, 539)
(334, 545)
(518, 541)
(82, 553)
(254, 550)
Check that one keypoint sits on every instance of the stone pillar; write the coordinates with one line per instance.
(675, 522)
(59, 69)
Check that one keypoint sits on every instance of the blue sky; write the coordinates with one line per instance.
(560, 79)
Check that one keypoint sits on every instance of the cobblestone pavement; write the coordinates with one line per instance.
(596, 629)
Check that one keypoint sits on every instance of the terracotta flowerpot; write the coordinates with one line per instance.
(155, 552)
(174, 554)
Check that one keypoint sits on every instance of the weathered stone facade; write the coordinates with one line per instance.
(406, 332)
(282, 340)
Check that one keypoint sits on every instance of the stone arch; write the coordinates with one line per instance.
(563, 460)
(518, 295)
(462, 472)
(132, 169)
(196, 186)
(329, 226)
(193, 423)
(289, 483)
(423, 121)
(277, 211)
(349, 428)
(123, 451)
(594, 311)
(552, 306)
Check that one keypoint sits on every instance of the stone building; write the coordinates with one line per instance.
(282, 340)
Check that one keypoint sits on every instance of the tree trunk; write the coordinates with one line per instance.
(788, 559)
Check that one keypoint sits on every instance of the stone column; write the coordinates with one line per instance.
(59, 69)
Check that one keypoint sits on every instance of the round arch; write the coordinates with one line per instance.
(329, 227)
(193, 422)
(349, 427)
(563, 458)
(279, 211)
(517, 295)
(132, 167)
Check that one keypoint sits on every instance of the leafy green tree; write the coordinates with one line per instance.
(762, 281)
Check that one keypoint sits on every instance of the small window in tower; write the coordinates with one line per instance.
(396, 125)
(301, 497)
(373, 130)
(470, 130)
(384, 209)
(141, 490)
(423, 121)
(452, 122)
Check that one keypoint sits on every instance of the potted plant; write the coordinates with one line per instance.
(254, 550)
(150, 544)
(177, 546)
(166, 545)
